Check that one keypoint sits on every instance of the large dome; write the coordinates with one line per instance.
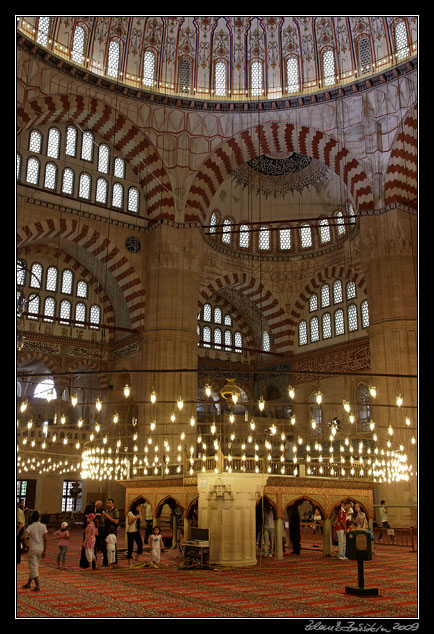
(235, 58)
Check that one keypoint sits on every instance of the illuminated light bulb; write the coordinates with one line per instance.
(65, 441)
(346, 405)
(173, 417)
(80, 422)
(63, 419)
(231, 418)
(153, 425)
(208, 389)
(373, 391)
(372, 425)
(413, 440)
(232, 436)
(192, 421)
(234, 397)
(50, 396)
(74, 400)
(352, 418)
(347, 442)
(390, 430)
(292, 420)
(97, 428)
(252, 424)
(213, 428)
(98, 404)
(127, 390)
(182, 435)
(300, 440)
(77, 445)
(313, 423)
(374, 437)
(318, 397)
(153, 396)
(115, 418)
(261, 404)
(23, 406)
(407, 421)
(333, 430)
(273, 429)
(30, 423)
(291, 392)
(180, 402)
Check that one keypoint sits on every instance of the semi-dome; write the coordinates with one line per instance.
(228, 58)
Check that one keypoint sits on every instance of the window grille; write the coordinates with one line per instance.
(118, 195)
(184, 75)
(68, 181)
(313, 303)
(264, 238)
(33, 306)
(339, 322)
(207, 312)
(18, 165)
(244, 236)
(292, 77)
(324, 231)
(32, 172)
(365, 59)
(77, 54)
(302, 333)
(340, 223)
(87, 146)
(119, 168)
(21, 272)
(337, 292)
(352, 318)
(238, 341)
(266, 341)
(103, 159)
(285, 238)
(49, 308)
(84, 186)
(217, 315)
(351, 213)
(217, 338)
(50, 176)
(213, 223)
(306, 236)
(133, 199)
(43, 30)
(51, 281)
(351, 290)
(228, 320)
(36, 276)
(325, 295)
(256, 79)
(326, 326)
(35, 142)
(148, 68)
(228, 340)
(328, 67)
(80, 312)
(82, 289)
(53, 146)
(65, 311)
(401, 41)
(226, 235)
(207, 337)
(220, 79)
(101, 191)
(70, 502)
(67, 278)
(113, 58)
(95, 316)
(365, 313)
(314, 329)
(71, 141)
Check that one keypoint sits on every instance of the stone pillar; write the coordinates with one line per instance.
(371, 526)
(327, 537)
(187, 528)
(278, 544)
(227, 504)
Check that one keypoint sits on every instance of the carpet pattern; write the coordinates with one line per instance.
(308, 586)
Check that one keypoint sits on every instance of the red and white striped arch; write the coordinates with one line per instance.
(401, 175)
(272, 138)
(260, 298)
(97, 245)
(114, 127)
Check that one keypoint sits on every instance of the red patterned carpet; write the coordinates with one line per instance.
(308, 586)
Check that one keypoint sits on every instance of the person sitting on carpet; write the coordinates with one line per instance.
(156, 543)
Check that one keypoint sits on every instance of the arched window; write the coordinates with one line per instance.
(365, 313)
(80, 312)
(119, 167)
(43, 30)
(133, 200)
(33, 306)
(325, 296)
(351, 290)
(217, 315)
(328, 67)
(217, 338)
(302, 333)
(53, 144)
(340, 223)
(207, 312)
(339, 322)
(114, 58)
(337, 292)
(401, 40)
(84, 186)
(306, 236)
(213, 222)
(149, 68)
(206, 337)
(264, 238)
(77, 53)
(228, 320)
(265, 341)
(65, 311)
(326, 326)
(18, 165)
(292, 74)
(95, 316)
(44, 387)
(49, 308)
(118, 195)
(101, 191)
(362, 408)
(238, 340)
(351, 213)
(68, 181)
(87, 146)
(256, 81)
(352, 318)
(244, 236)
(364, 55)
(32, 172)
(285, 238)
(51, 280)
(82, 289)
(228, 340)
(184, 75)
(50, 176)
(198, 334)
(220, 74)
(324, 230)
(36, 276)
(67, 278)
(21, 272)
(71, 141)
(226, 235)
(313, 303)
(103, 158)
(35, 141)
(314, 329)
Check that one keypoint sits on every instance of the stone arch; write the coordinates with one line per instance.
(271, 138)
(117, 129)
(168, 499)
(103, 252)
(351, 498)
(401, 175)
(300, 499)
(52, 363)
(258, 298)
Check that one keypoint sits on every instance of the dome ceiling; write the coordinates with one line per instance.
(186, 50)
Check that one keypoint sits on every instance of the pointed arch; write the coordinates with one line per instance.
(401, 175)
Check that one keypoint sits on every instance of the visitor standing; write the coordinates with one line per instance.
(36, 536)
(111, 541)
(133, 533)
(62, 535)
(341, 529)
(317, 519)
(148, 517)
(294, 530)
(111, 518)
(269, 532)
(384, 520)
(157, 545)
(21, 520)
(90, 539)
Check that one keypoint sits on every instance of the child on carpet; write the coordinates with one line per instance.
(111, 541)
(62, 535)
(156, 543)
(89, 540)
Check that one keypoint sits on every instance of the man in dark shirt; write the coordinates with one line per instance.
(111, 518)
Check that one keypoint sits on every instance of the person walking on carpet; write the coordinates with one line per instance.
(156, 544)
(36, 537)
(62, 535)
